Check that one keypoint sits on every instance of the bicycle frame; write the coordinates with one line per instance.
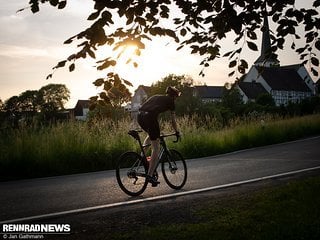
(163, 147)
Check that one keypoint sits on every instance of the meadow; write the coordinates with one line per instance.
(75, 147)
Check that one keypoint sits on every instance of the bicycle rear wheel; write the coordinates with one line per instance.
(174, 169)
(130, 173)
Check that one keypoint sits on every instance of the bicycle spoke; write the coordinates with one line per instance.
(131, 174)
(174, 170)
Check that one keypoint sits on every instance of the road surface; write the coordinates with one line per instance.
(26, 198)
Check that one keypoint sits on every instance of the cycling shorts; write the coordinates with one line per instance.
(149, 123)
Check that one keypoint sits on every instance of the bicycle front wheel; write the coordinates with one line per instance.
(130, 173)
(174, 170)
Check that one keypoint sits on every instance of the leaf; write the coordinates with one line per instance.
(315, 61)
(35, 8)
(107, 85)
(98, 82)
(241, 69)
(71, 67)
(183, 32)
(91, 53)
(252, 46)
(232, 64)
(62, 4)
(71, 57)
(171, 33)
(127, 83)
(107, 64)
(93, 16)
(244, 63)
(20, 10)
(314, 72)
(93, 99)
(300, 50)
(231, 74)
(180, 47)
(316, 3)
(54, 2)
(103, 96)
(252, 35)
(60, 64)
(49, 76)
(68, 41)
(317, 44)
(227, 54)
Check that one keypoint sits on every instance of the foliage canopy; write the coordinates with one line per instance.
(199, 25)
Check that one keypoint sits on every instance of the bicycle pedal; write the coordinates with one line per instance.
(154, 182)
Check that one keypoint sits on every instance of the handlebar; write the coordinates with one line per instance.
(135, 135)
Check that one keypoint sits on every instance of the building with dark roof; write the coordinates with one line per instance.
(251, 90)
(81, 109)
(208, 93)
(286, 84)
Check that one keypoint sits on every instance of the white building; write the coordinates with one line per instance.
(285, 83)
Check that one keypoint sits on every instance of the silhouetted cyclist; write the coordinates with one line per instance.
(148, 120)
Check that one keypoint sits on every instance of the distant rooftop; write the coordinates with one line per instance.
(252, 89)
(209, 91)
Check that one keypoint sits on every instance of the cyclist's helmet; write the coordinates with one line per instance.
(172, 91)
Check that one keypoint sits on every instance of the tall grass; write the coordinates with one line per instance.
(199, 141)
(73, 147)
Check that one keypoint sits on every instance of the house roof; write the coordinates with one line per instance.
(209, 91)
(146, 89)
(284, 78)
(252, 89)
(296, 67)
(83, 103)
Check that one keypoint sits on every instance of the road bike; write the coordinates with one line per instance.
(132, 168)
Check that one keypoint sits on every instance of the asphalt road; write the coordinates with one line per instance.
(27, 198)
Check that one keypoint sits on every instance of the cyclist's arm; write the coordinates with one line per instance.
(173, 121)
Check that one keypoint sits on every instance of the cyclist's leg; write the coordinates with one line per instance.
(146, 143)
(155, 145)
(150, 124)
(154, 134)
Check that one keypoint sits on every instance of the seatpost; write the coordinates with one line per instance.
(141, 146)
(136, 136)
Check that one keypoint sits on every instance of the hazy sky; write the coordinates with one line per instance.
(31, 44)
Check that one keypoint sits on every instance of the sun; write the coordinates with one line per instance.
(128, 55)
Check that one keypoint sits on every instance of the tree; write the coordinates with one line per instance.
(186, 102)
(182, 82)
(265, 99)
(232, 98)
(53, 97)
(29, 101)
(1, 105)
(200, 25)
(115, 91)
(12, 104)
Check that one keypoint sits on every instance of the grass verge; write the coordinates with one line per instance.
(74, 147)
(288, 212)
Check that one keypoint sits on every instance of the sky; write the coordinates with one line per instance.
(31, 44)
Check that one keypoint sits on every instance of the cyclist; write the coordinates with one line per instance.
(148, 120)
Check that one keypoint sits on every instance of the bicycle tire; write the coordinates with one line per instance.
(130, 174)
(174, 170)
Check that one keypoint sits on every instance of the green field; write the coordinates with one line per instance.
(74, 147)
(286, 212)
